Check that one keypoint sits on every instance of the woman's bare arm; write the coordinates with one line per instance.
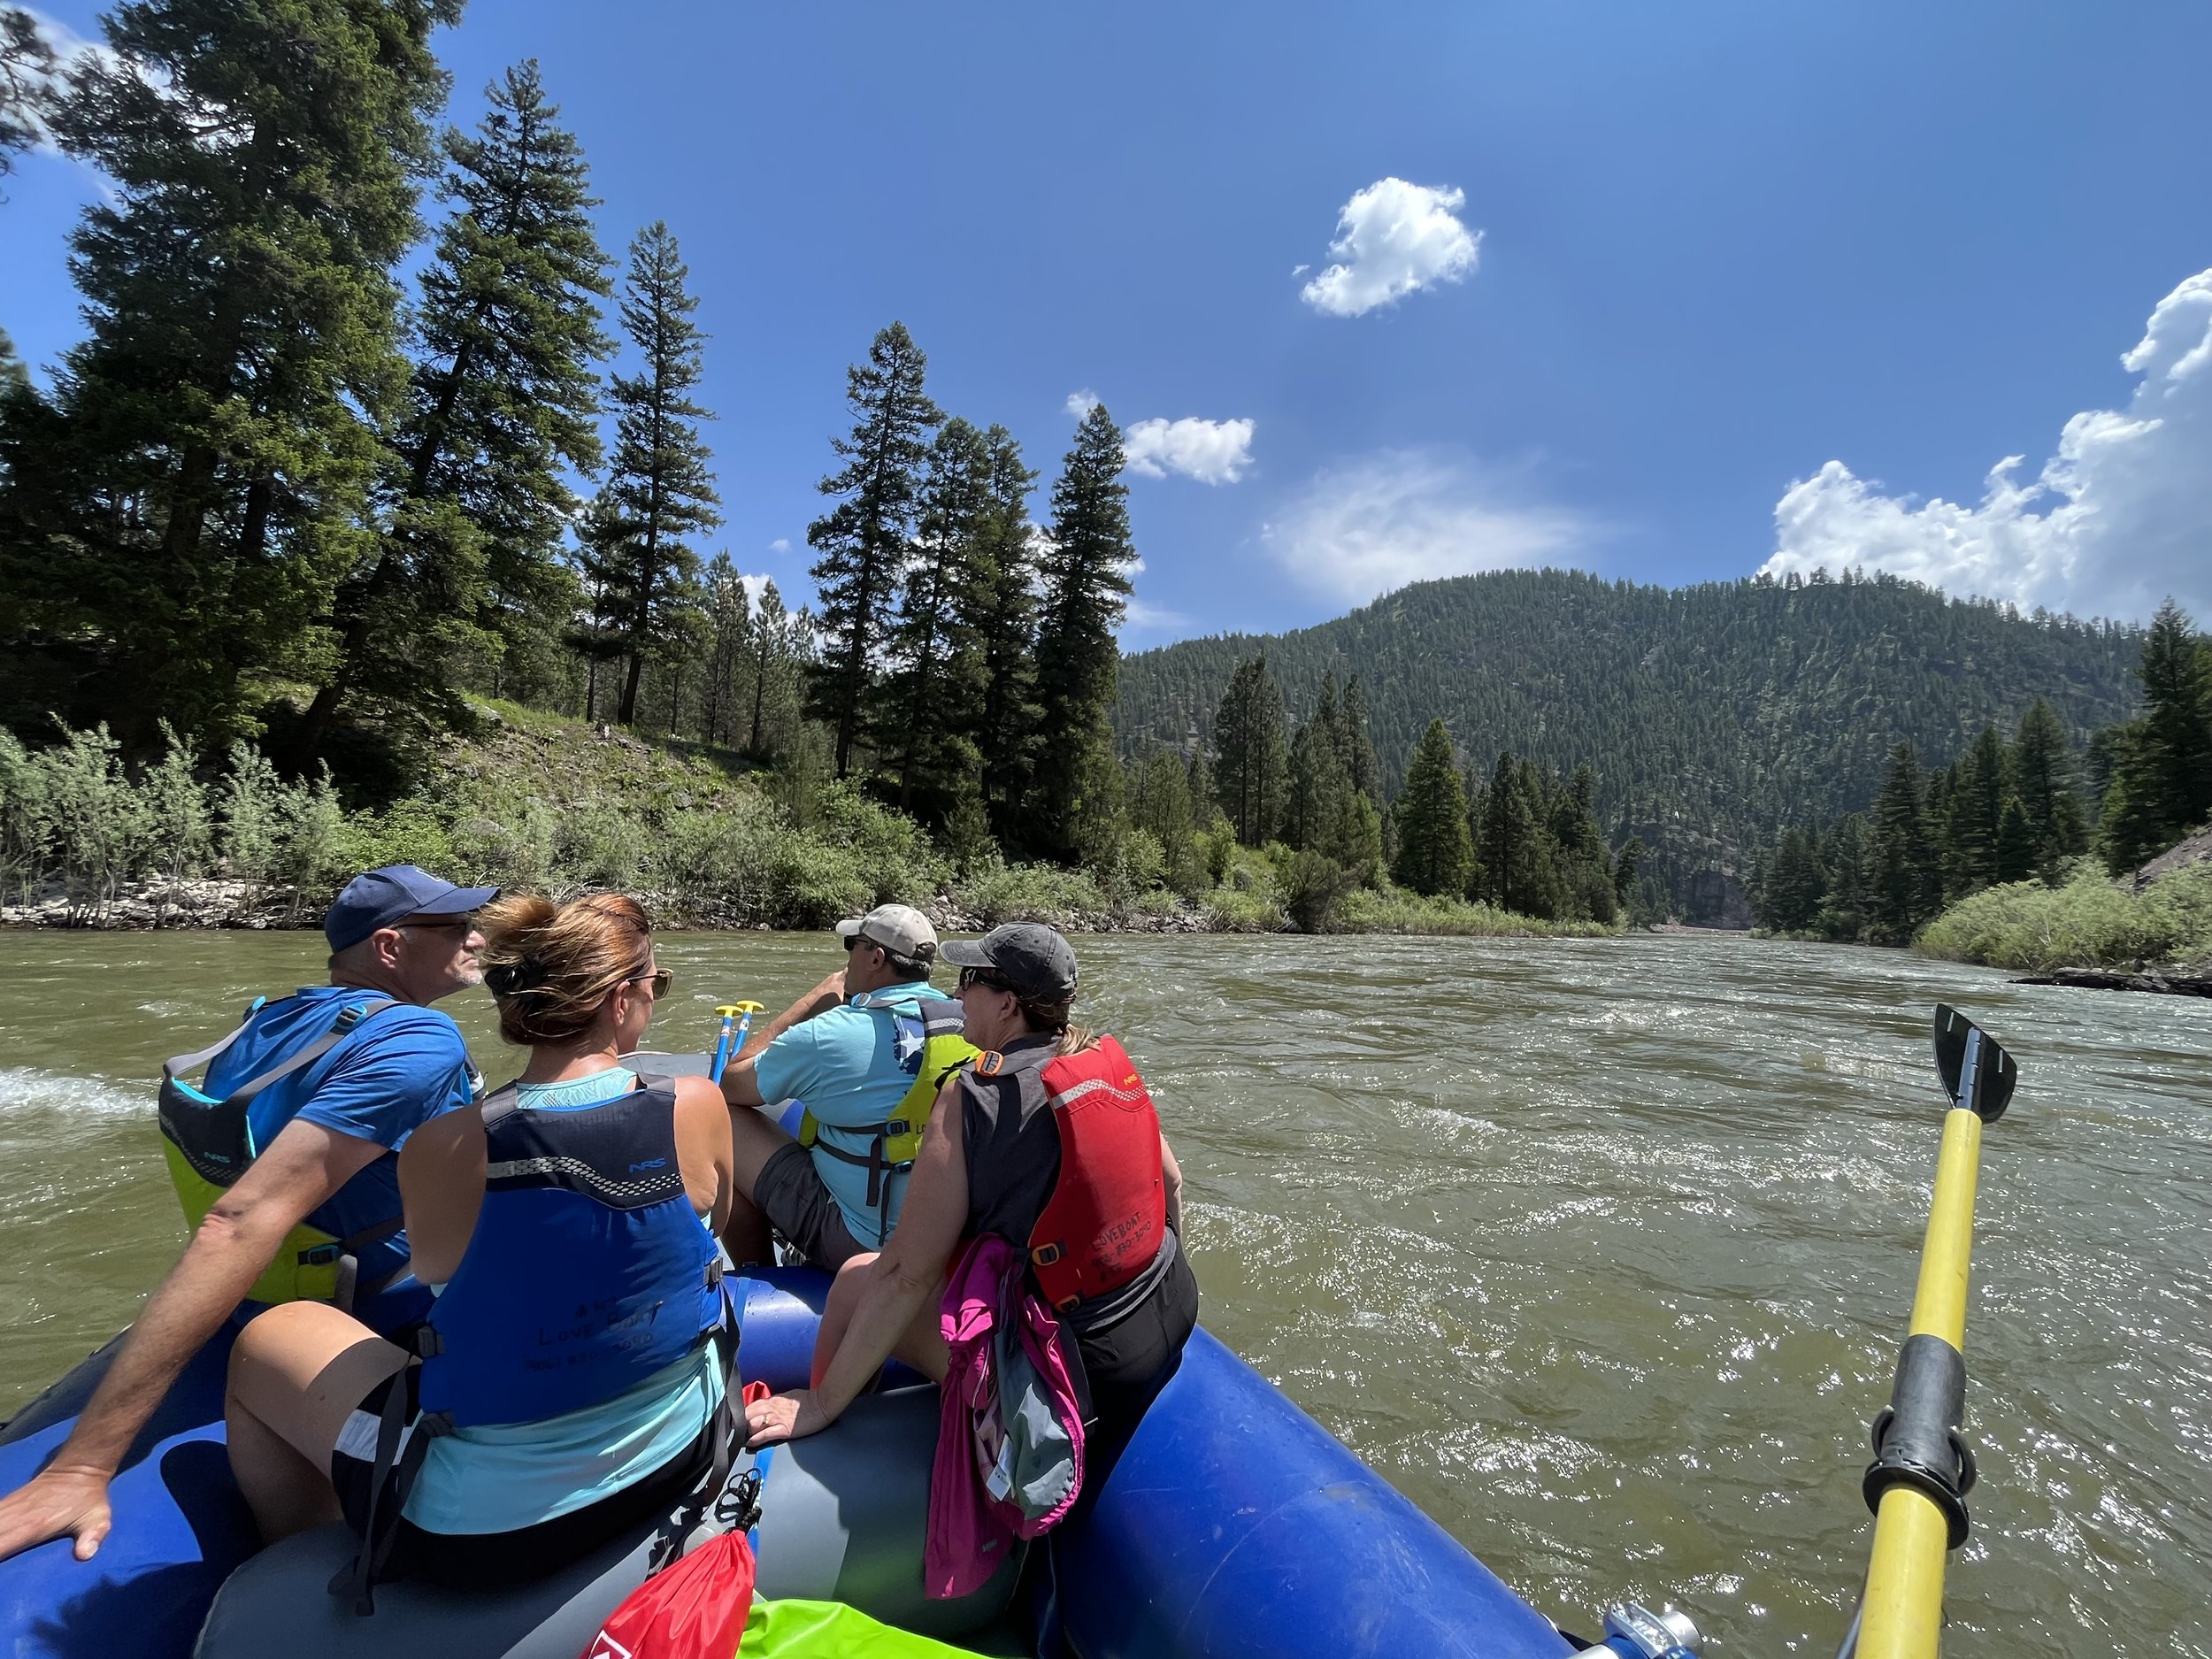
(1171, 1174)
(898, 1286)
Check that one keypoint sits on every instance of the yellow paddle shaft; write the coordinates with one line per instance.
(1904, 1583)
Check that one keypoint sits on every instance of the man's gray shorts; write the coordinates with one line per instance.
(791, 1194)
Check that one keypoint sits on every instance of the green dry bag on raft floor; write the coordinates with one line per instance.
(829, 1630)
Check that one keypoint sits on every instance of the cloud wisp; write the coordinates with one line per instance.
(1081, 403)
(1362, 529)
(1211, 451)
(1393, 239)
(2117, 518)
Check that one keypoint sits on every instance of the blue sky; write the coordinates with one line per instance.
(1699, 287)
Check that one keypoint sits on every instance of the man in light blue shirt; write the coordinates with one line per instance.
(855, 1048)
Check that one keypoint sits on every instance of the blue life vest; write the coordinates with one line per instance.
(588, 1270)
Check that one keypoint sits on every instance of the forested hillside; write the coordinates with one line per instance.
(1713, 715)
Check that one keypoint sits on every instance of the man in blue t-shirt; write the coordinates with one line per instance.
(851, 1048)
(324, 1138)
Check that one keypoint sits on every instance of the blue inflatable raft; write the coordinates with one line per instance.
(1234, 1526)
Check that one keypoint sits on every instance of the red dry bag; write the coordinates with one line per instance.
(694, 1607)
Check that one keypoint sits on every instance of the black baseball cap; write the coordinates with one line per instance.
(1030, 958)
(380, 897)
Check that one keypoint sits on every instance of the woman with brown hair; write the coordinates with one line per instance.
(566, 1383)
(1098, 1217)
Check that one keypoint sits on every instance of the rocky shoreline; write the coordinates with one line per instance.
(2107, 979)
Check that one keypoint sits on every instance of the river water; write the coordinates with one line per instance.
(1598, 1251)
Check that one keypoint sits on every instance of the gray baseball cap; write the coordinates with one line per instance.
(1032, 958)
(900, 929)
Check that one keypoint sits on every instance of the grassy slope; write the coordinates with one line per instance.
(2091, 922)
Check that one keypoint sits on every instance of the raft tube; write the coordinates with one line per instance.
(1233, 1527)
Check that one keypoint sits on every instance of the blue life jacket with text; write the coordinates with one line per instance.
(588, 1269)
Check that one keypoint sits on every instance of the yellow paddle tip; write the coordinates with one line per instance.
(727, 1009)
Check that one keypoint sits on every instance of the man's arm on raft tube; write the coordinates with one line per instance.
(1171, 1176)
(901, 1284)
(233, 1246)
(739, 1086)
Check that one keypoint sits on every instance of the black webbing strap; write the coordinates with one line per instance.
(356, 1582)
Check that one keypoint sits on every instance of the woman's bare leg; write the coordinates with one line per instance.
(295, 1375)
(922, 1347)
(754, 1138)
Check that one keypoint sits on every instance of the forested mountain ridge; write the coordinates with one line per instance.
(1713, 714)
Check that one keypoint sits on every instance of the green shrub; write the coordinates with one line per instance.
(1239, 910)
(1396, 910)
(2090, 922)
(998, 892)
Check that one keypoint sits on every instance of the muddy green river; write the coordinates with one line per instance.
(1600, 1251)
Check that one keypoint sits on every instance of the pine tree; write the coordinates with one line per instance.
(659, 488)
(1907, 887)
(1084, 570)
(213, 435)
(15, 377)
(1847, 855)
(26, 69)
(729, 615)
(1359, 750)
(1794, 887)
(1251, 770)
(783, 648)
(1979, 784)
(502, 406)
(932, 702)
(1434, 850)
(1159, 802)
(2043, 774)
(1006, 729)
(1320, 793)
(1506, 846)
(862, 541)
(2162, 784)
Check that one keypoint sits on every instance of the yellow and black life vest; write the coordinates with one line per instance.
(208, 1144)
(927, 1032)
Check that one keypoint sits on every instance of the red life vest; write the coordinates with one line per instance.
(1107, 1217)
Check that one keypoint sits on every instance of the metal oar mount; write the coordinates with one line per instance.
(1922, 1470)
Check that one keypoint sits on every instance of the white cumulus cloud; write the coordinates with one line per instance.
(1374, 525)
(1081, 403)
(1393, 239)
(1211, 451)
(2117, 518)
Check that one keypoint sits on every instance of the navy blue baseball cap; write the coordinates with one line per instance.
(383, 897)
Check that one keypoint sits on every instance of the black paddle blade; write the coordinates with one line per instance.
(1995, 1072)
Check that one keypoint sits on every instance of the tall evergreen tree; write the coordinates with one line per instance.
(1320, 793)
(783, 649)
(659, 488)
(1907, 886)
(1084, 569)
(1795, 886)
(1434, 850)
(26, 69)
(729, 617)
(1159, 804)
(1979, 784)
(932, 702)
(1359, 747)
(1252, 766)
(2162, 784)
(1006, 729)
(1506, 845)
(2043, 774)
(214, 433)
(501, 405)
(862, 541)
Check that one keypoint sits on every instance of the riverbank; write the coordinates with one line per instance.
(707, 839)
(2159, 930)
